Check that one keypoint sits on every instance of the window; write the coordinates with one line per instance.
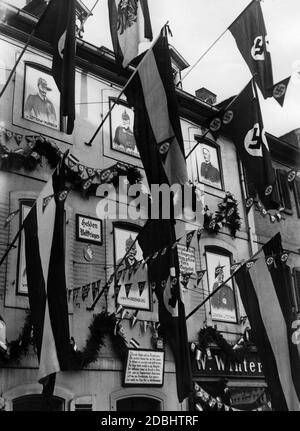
(38, 403)
(284, 191)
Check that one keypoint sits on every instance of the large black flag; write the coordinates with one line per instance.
(57, 26)
(250, 34)
(266, 292)
(160, 143)
(246, 128)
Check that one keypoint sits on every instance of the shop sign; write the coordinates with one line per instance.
(220, 365)
(88, 229)
(144, 368)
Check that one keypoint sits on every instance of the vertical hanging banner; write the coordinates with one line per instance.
(250, 34)
(159, 139)
(266, 291)
(57, 26)
(247, 131)
(129, 25)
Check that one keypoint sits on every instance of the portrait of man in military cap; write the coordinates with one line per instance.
(41, 101)
(125, 244)
(222, 303)
(122, 136)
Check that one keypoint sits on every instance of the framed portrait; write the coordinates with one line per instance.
(121, 129)
(41, 101)
(132, 281)
(223, 302)
(22, 287)
(208, 162)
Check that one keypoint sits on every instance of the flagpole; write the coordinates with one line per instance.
(223, 284)
(123, 89)
(229, 104)
(214, 43)
(17, 62)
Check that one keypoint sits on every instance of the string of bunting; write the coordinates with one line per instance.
(78, 294)
(29, 156)
(201, 396)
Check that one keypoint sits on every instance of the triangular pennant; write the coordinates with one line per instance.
(270, 261)
(119, 309)
(124, 312)
(200, 275)
(10, 217)
(164, 251)
(185, 278)
(85, 291)
(155, 255)
(95, 289)
(128, 288)
(141, 285)
(75, 294)
(134, 318)
(18, 138)
(280, 89)
(46, 201)
(189, 238)
(291, 175)
(199, 233)
(249, 202)
(87, 184)
(62, 196)
(91, 172)
(70, 291)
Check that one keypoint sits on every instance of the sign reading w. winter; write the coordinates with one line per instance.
(88, 229)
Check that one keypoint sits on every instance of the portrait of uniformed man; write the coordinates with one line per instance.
(122, 136)
(208, 171)
(38, 106)
(224, 297)
(130, 261)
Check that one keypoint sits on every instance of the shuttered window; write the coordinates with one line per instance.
(284, 190)
(297, 287)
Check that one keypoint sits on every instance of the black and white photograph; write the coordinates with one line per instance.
(222, 303)
(121, 126)
(208, 165)
(41, 98)
(149, 210)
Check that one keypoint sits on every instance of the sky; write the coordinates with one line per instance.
(196, 24)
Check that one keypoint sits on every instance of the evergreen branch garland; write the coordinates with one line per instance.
(211, 335)
(19, 347)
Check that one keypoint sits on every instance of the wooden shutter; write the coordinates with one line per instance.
(284, 189)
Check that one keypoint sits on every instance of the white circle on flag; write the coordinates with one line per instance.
(254, 140)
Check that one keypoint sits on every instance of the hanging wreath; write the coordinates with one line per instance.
(227, 215)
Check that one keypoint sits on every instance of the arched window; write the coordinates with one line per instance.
(38, 402)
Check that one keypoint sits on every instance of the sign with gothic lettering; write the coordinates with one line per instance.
(88, 229)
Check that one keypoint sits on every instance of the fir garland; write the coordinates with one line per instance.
(210, 335)
(227, 215)
(19, 347)
(101, 325)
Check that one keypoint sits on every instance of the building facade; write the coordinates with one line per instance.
(95, 245)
